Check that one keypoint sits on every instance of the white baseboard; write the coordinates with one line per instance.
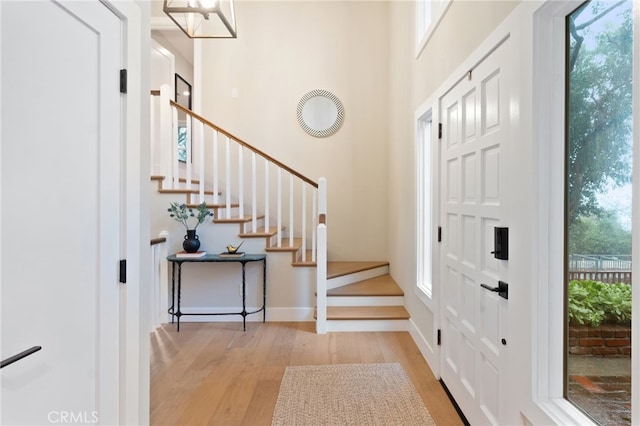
(290, 315)
(428, 352)
(273, 315)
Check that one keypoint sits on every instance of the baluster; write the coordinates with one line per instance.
(266, 195)
(216, 169)
(279, 206)
(188, 153)
(166, 140)
(254, 195)
(290, 210)
(228, 177)
(240, 183)
(152, 135)
(164, 278)
(155, 288)
(304, 222)
(174, 148)
(314, 222)
(201, 159)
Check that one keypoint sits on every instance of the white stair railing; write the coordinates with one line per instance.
(234, 166)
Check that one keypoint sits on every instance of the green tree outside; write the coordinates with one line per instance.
(599, 105)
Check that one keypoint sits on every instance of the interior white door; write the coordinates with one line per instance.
(475, 120)
(60, 224)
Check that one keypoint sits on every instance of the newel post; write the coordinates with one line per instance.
(321, 269)
(164, 279)
(166, 136)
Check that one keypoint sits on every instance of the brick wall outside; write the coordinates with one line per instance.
(606, 340)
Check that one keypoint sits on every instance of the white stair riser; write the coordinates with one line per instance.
(357, 276)
(367, 325)
(247, 227)
(195, 198)
(365, 301)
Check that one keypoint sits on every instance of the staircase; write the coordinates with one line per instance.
(362, 296)
(359, 296)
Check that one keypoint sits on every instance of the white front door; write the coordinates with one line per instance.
(475, 120)
(60, 220)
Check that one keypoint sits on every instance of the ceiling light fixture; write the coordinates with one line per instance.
(203, 18)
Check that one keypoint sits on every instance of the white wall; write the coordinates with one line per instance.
(412, 82)
(285, 49)
(183, 58)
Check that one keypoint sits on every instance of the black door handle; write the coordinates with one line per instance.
(19, 356)
(502, 289)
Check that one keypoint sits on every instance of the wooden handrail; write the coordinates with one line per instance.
(245, 144)
(159, 240)
(155, 93)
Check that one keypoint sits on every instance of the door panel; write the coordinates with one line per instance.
(474, 123)
(60, 211)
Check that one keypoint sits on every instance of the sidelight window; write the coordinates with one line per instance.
(598, 225)
(424, 199)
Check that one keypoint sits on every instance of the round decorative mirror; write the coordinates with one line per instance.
(320, 113)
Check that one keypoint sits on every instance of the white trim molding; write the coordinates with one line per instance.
(424, 31)
(548, 227)
(635, 283)
(135, 296)
(163, 23)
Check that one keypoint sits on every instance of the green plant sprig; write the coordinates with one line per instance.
(181, 213)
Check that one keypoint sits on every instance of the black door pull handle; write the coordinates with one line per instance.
(502, 289)
(19, 356)
(488, 287)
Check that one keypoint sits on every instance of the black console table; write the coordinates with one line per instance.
(177, 262)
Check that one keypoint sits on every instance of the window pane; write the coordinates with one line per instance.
(425, 238)
(598, 210)
(423, 15)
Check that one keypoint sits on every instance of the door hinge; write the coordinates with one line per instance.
(439, 337)
(123, 81)
(439, 234)
(123, 271)
(439, 130)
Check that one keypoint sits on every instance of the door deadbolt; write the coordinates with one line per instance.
(500, 243)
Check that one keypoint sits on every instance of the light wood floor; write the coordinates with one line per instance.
(214, 373)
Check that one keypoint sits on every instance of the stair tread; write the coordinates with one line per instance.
(181, 180)
(379, 286)
(193, 181)
(367, 313)
(213, 206)
(338, 269)
(307, 262)
(237, 219)
(260, 232)
(297, 243)
(179, 191)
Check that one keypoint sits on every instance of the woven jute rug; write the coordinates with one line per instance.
(349, 394)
